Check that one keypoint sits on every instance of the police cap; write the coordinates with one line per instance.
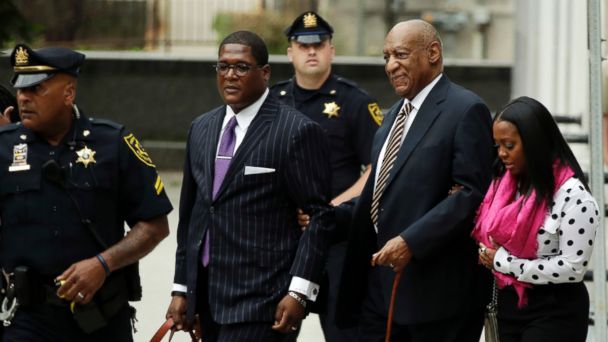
(31, 67)
(309, 28)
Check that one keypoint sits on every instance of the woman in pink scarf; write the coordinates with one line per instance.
(536, 228)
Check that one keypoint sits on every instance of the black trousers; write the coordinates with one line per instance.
(465, 327)
(558, 312)
(54, 323)
(213, 331)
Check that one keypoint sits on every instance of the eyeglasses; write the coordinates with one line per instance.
(240, 69)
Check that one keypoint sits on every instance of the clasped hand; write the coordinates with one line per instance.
(395, 254)
(487, 254)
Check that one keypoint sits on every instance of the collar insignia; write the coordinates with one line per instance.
(310, 20)
(86, 156)
(331, 109)
(19, 159)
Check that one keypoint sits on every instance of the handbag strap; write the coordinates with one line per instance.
(162, 331)
(494, 302)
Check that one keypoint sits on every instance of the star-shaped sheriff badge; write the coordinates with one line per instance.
(85, 156)
(331, 109)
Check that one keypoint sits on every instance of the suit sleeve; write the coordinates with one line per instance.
(308, 178)
(451, 220)
(186, 203)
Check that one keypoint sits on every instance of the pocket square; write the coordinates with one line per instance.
(256, 170)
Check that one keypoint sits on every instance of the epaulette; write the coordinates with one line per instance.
(10, 127)
(347, 81)
(281, 83)
(352, 84)
(106, 122)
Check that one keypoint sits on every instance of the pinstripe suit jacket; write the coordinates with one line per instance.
(256, 245)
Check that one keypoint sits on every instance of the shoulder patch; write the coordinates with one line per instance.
(375, 112)
(9, 127)
(106, 122)
(138, 150)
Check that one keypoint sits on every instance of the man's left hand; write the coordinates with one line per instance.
(395, 254)
(289, 315)
(81, 281)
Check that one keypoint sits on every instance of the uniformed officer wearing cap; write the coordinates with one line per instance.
(67, 185)
(349, 116)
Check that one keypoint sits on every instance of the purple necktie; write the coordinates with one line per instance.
(222, 162)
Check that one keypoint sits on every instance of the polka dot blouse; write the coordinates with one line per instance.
(565, 241)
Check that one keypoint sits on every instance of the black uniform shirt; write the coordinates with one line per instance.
(349, 116)
(99, 172)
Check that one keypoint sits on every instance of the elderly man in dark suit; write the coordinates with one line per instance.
(405, 220)
(242, 262)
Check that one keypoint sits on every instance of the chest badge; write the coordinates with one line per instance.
(85, 156)
(331, 109)
(19, 159)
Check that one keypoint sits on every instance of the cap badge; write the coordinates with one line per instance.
(86, 156)
(19, 158)
(310, 20)
(331, 110)
(21, 56)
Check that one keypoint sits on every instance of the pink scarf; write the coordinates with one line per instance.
(514, 223)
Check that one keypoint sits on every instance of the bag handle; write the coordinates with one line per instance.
(168, 325)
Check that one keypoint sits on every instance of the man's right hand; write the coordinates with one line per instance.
(5, 118)
(177, 311)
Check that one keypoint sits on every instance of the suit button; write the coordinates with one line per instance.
(211, 210)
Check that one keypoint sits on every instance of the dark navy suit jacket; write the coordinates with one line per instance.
(450, 142)
(256, 243)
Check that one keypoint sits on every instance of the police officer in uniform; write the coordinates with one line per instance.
(349, 116)
(67, 185)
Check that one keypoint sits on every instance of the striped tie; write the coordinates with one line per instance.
(390, 155)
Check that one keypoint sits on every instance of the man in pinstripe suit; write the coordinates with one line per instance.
(242, 262)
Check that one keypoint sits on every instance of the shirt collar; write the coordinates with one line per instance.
(247, 114)
(419, 99)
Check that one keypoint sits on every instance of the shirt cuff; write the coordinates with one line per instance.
(305, 287)
(179, 288)
(502, 261)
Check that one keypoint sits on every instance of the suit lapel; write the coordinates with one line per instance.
(256, 131)
(212, 139)
(425, 117)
